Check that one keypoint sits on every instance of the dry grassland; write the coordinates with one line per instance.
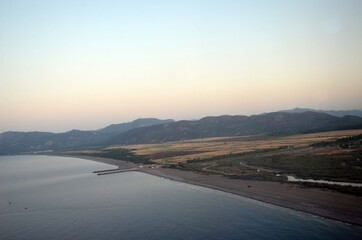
(175, 152)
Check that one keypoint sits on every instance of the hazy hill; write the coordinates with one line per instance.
(141, 122)
(339, 113)
(271, 123)
(18, 142)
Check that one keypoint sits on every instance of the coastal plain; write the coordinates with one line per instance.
(320, 202)
(241, 166)
(181, 151)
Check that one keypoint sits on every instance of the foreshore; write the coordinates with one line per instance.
(325, 203)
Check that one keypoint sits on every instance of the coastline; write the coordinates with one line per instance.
(320, 202)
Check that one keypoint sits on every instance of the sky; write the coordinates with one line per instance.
(86, 64)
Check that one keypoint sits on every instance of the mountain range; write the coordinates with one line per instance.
(222, 126)
(338, 113)
(18, 142)
(124, 127)
(153, 130)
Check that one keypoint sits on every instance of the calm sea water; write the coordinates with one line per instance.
(45, 197)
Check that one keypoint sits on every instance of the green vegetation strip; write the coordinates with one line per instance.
(325, 162)
(118, 153)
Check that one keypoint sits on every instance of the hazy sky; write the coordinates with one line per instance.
(87, 64)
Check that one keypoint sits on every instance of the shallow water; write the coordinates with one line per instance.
(294, 179)
(65, 200)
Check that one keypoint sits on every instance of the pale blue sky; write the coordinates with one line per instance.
(86, 64)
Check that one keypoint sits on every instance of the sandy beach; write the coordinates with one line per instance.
(320, 202)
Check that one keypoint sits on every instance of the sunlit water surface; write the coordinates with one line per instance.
(44, 197)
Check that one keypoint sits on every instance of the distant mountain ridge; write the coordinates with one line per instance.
(19, 142)
(337, 113)
(141, 122)
(222, 126)
(156, 131)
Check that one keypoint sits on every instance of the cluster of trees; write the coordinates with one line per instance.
(346, 142)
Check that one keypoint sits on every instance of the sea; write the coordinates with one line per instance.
(47, 197)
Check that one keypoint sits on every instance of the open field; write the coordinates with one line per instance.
(108, 153)
(332, 156)
(340, 165)
(175, 152)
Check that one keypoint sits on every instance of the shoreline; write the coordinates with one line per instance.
(320, 202)
(282, 201)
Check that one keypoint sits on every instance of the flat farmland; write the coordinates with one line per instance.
(183, 151)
